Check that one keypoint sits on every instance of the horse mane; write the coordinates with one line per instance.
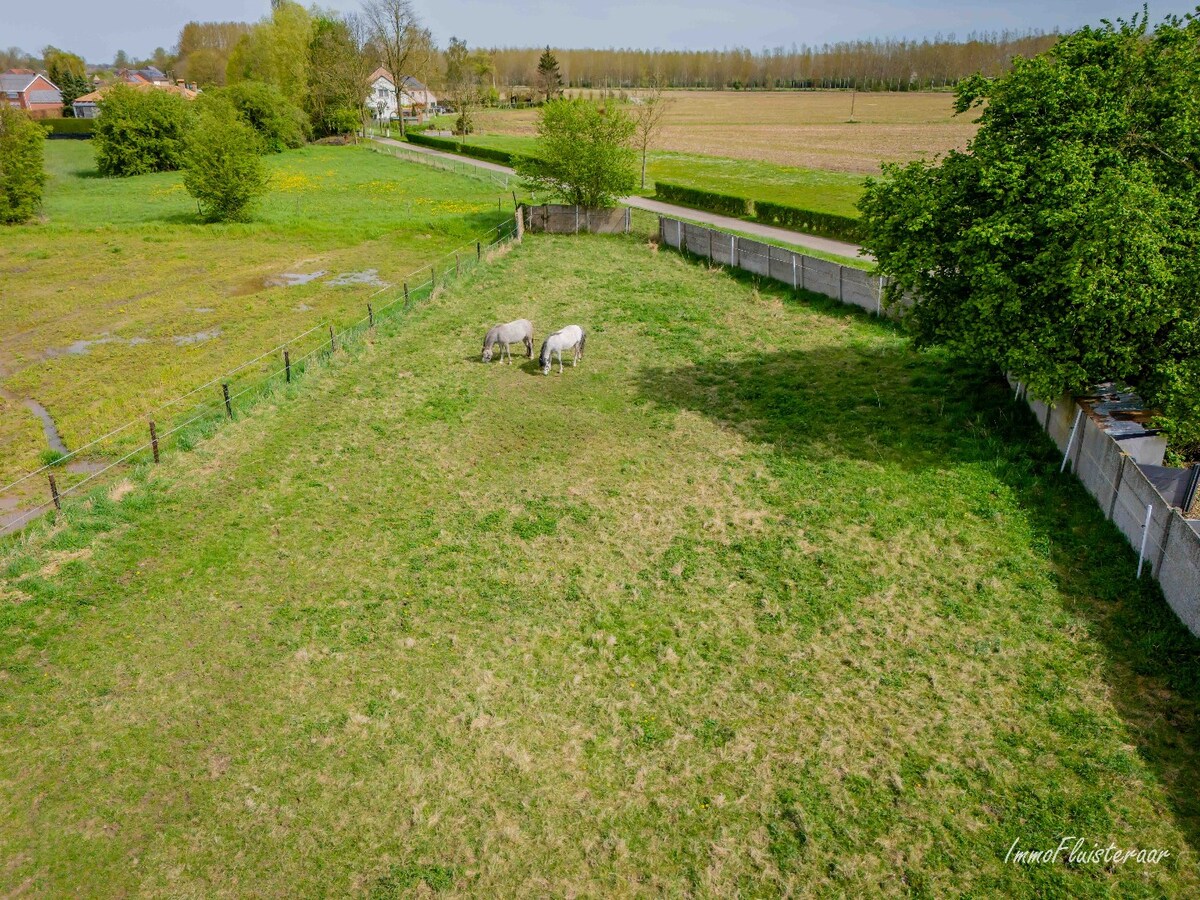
(544, 356)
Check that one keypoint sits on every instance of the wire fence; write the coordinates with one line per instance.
(217, 399)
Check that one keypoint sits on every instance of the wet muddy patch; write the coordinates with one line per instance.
(83, 347)
(186, 340)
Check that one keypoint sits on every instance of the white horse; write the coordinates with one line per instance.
(569, 338)
(510, 333)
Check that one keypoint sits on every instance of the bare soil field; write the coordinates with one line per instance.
(811, 129)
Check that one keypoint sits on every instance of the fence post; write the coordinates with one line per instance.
(628, 219)
(456, 264)
(802, 276)
(577, 218)
(228, 407)
(370, 316)
(879, 298)
(841, 272)
(332, 343)
(154, 440)
(1070, 441)
(406, 295)
(795, 283)
(1145, 534)
(287, 366)
(54, 493)
(478, 251)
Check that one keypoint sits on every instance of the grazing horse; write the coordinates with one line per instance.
(569, 338)
(520, 330)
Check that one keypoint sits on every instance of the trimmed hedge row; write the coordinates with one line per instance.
(831, 225)
(828, 225)
(70, 128)
(726, 204)
(490, 154)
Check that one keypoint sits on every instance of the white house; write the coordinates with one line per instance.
(381, 101)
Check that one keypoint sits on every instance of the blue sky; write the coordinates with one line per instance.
(99, 29)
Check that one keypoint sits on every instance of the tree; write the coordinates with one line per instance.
(1064, 245)
(72, 87)
(338, 69)
(549, 79)
(584, 153)
(22, 174)
(462, 84)
(60, 65)
(279, 123)
(121, 60)
(405, 46)
(648, 113)
(275, 51)
(205, 48)
(222, 165)
(140, 131)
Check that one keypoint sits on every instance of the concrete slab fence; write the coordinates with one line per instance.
(1119, 465)
(557, 219)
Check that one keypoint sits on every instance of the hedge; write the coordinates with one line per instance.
(828, 225)
(69, 128)
(490, 154)
(725, 204)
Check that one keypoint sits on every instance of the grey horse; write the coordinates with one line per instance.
(509, 333)
(570, 338)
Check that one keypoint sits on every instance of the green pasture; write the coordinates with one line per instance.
(756, 601)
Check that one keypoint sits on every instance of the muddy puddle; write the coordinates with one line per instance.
(185, 340)
(82, 347)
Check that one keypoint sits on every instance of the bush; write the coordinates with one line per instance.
(490, 154)
(280, 123)
(22, 174)
(70, 128)
(830, 225)
(140, 131)
(726, 204)
(223, 168)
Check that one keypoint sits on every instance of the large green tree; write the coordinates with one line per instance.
(279, 123)
(1064, 244)
(140, 131)
(549, 78)
(22, 174)
(339, 66)
(585, 154)
(222, 164)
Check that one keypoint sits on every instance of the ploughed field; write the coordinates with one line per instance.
(755, 600)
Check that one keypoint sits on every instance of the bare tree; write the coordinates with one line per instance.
(648, 114)
(405, 46)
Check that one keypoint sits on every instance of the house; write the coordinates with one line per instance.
(88, 106)
(27, 90)
(381, 101)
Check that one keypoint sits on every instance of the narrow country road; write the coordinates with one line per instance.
(755, 229)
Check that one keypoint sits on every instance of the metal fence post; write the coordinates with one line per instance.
(1145, 534)
(1070, 441)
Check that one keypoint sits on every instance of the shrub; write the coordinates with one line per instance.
(70, 128)
(830, 225)
(280, 123)
(22, 174)
(726, 204)
(223, 168)
(140, 131)
(491, 154)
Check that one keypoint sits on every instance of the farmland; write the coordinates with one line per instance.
(758, 600)
(806, 130)
(121, 300)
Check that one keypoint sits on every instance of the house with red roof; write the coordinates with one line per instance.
(34, 93)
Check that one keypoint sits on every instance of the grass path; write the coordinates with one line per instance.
(756, 600)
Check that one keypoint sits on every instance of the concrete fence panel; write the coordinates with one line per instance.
(1098, 463)
(862, 289)
(1135, 494)
(782, 265)
(823, 277)
(558, 219)
(1180, 571)
(755, 257)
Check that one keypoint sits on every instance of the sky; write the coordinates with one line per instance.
(98, 30)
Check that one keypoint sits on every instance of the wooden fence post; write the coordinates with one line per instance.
(54, 493)
(478, 251)
(287, 366)
(332, 343)
(228, 406)
(154, 440)
(406, 295)
(370, 316)
(456, 266)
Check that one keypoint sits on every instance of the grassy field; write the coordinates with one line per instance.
(755, 601)
(121, 300)
(802, 129)
(832, 192)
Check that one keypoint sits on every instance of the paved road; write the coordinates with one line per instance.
(755, 229)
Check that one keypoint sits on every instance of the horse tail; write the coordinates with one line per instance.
(582, 341)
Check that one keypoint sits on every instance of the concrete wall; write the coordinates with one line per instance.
(555, 219)
(1105, 458)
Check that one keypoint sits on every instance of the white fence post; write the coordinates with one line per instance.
(795, 284)
(1070, 441)
(1145, 534)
